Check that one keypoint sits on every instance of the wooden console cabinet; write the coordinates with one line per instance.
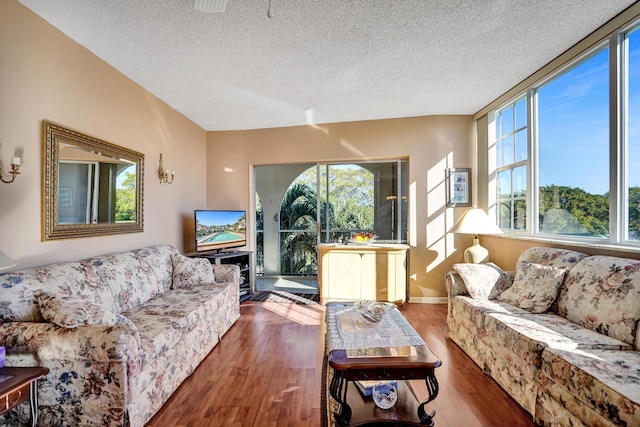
(363, 272)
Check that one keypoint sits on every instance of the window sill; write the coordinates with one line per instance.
(578, 245)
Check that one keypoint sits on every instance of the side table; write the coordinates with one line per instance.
(18, 384)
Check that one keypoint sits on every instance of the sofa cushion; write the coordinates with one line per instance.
(70, 312)
(163, 321)
(189, 272)
(77, 278)
(527, 335)
(602, 293)
(466, 324)
(552, 257)
(606, 380)
(475, 310)
(159, 259)
(484, 281)
(129, 276)
(535, 286)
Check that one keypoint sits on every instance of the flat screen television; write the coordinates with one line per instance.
(220, 230)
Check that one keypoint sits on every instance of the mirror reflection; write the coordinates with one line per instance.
(91, 187)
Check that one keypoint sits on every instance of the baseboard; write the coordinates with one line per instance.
(428, 300)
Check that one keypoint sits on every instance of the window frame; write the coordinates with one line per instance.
(618, 46)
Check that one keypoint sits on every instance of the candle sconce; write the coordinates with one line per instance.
(15, 165)
(165, 177)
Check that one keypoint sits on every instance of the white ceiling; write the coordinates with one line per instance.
(325, 61)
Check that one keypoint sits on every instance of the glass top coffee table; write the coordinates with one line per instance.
(366, 358)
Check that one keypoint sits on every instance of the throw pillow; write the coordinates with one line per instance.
(190, 272)
(70, 312)
(535, 287)
(484, 281)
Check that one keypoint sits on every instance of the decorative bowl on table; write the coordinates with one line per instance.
(373, 310)
(385, 395)
(363, 238)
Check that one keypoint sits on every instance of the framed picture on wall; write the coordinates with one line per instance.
(458, 181)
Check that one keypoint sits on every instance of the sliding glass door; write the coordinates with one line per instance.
(300, 206)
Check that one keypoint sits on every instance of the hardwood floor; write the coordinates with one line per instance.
(266, 371)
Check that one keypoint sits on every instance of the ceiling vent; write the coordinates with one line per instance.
(210, 6)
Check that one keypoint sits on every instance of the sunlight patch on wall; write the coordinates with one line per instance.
(436, 235)
(353, 149)
(439, 217)
(311, 121)
(450, 242)
(436, 187)
(227, 169)
(413, 217)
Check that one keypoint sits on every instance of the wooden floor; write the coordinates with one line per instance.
(266, 371)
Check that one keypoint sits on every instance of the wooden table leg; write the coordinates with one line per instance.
(432, 388)
(338, 390)
(33, 401)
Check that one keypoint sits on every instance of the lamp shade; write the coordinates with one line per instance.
(475, 221)
(6, 262)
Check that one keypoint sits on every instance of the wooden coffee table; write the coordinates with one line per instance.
(19, 384)
(384, 364)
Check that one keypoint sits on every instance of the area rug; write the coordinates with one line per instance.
(285, 297)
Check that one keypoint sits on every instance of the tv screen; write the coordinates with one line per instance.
(217, 230)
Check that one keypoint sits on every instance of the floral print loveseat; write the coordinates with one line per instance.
(560, 334)
(119, 332)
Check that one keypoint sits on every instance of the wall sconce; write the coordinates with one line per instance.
(165, 177)
(15, 165)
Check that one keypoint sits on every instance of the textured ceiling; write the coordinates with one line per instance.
(325, 61)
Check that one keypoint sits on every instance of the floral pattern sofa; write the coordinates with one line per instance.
(119, 332)
(560, 334)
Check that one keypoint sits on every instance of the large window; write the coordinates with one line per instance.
(511, 155)
(573, 150)
(632, 133)
(564, 154)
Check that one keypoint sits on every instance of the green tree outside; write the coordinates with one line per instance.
(126, 199)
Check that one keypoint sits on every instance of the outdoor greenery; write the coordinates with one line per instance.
(126, 199)
(350, 210)
(573, 211)
(298, 212)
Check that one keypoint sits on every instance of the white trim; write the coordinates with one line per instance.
(428, 300)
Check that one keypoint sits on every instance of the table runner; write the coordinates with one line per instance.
(347, 329)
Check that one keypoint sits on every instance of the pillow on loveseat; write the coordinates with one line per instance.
(484, 281)
(535, 287)
(190, 272)
(70, 312)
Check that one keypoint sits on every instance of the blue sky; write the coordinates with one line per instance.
(574, 125)
(219, 217)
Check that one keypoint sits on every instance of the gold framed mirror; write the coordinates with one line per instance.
(90, 187)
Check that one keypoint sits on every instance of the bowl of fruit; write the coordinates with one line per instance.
(363, 238)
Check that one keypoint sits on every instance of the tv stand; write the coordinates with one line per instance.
(239, 258)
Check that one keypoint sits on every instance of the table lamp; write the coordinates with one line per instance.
(6, 262)
(475, 221)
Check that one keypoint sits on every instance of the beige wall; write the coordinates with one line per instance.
(431, 144)
(46, 75)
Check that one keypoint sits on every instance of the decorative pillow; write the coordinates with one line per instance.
(484, 281)
(190, 272)
(70, 312)
(535, 287)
